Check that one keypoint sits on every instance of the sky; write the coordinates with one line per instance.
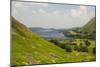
(51, 15)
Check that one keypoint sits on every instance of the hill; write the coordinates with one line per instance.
(29, 48)
(48, 33)
(90, 26)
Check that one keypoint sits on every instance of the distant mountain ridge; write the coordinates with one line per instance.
(48, 32)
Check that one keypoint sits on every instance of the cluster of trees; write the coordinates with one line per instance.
(65, 46)
(69, 47)
(81, 35)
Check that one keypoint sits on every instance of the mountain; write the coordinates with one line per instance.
(29, 48)
(49, 33)
(90, 26)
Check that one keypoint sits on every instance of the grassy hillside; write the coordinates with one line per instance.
(28, 48)
(90, 26)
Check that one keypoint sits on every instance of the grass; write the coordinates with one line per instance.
(28, 48)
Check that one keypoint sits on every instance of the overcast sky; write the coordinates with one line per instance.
(49, 15)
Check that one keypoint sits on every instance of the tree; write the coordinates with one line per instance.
(87, 43)
(54, 41)
(80, 48)
(68, 48)
(83, 49)
(94, 50)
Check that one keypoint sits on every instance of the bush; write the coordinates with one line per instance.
(65, 46)
(81, 48)
(87, 43)
(54, 41)
(81, 45)
(62, 46)
(74, 44)
(94, 50)
(76, 48)
(68, 48)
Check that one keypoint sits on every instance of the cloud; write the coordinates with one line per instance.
(80, 12)
(83, 8)
(75, 13)
(41, 15)
(42, 11)
(29, 4)
(56, 12)
(34, 12)
(39, 11)
(57, 18)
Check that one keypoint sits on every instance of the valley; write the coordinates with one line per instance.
(74, 40)
(46, 46)
(51, 33)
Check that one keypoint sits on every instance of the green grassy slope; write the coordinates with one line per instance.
(29, 48)
(90, 26)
